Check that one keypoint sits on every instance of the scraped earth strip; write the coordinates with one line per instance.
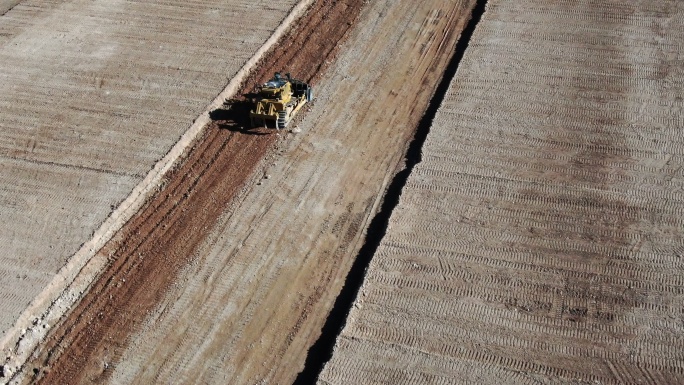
(164, 223)
(270, 269)
(365, 134)
(160, 240)
(62, 162)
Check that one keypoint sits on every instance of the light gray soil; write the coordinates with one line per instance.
(541, 238)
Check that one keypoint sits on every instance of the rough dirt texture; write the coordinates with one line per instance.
(6, 5)
(541, 238)
(209, 290)
(92, 94)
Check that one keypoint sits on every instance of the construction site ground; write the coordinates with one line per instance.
(92, 95)
(540, 240)
(229, 271)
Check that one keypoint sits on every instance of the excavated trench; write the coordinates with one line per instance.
(321, 351)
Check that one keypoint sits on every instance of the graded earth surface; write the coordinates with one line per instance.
(480, 192)
(230, 270)
(540, 240)
(92, 95)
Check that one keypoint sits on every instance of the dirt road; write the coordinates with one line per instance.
(540, 240)
(203, 288)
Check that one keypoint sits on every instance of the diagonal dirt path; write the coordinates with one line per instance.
(160, 240)
(204, 288)
(269, 270)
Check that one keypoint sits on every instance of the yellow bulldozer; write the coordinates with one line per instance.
(278, 100)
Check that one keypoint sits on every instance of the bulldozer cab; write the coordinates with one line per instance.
(276, 89)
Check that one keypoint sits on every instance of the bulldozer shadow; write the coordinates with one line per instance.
(234, 116)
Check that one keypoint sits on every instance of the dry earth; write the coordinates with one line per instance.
(92, 95)
(541, 238)
(203, 288)
(6, 5)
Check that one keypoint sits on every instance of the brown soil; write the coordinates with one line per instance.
(160, 240)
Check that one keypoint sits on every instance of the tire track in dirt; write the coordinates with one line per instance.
(151, 249)
(7, 5)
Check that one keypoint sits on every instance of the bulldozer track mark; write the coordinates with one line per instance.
(463, 283)
(437, 326)
(372, 330)
(71, 166)
(517, 157)
(395, 368)
(428, 346)
(522, 259)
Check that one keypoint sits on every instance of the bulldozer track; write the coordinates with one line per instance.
(282, 122)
